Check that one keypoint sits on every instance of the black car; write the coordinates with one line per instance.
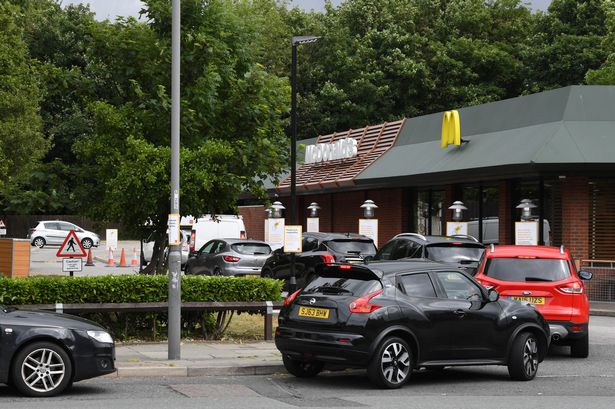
(394, 317)
(462, 251)
(319, 248)
(43, 353)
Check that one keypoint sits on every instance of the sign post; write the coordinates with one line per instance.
(69, 250)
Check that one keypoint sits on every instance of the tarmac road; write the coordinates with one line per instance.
(44, 261)
(562, 382)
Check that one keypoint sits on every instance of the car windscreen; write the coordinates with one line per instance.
(454, 253)
(343, 285)
(251, 248)
(527, 269)
(363, 247)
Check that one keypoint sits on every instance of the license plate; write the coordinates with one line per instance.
(314, 312)
(533, 300)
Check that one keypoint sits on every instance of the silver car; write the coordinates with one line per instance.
(229, 257)
(148, 247)
(53, 232)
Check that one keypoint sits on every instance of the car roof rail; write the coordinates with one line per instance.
(492, 248)
(420, 236)
(465, 236)
(561, 249)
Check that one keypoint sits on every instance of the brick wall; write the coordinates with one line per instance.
(254, 220)
(392, 213)
(575, 216)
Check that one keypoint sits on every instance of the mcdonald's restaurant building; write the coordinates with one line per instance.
(555, 148)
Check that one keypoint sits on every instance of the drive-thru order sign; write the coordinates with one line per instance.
(71, 247)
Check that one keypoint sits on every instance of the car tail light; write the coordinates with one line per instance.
(192, 240)
(242, 234)
(231, 259)
(362, 305)
(572, 288)
(345, 267)
(289, 300)
(327, 258)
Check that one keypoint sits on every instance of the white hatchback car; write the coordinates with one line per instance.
(53, 232)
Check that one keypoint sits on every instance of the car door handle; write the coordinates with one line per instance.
(460, 313)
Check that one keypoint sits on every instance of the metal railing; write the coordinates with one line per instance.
(602, 285)
(264, 307)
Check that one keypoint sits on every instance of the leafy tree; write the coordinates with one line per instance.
(605, 75)
(231, 125)
(21, 141)
(567, 42)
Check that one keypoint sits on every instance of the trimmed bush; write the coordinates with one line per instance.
(139, 288)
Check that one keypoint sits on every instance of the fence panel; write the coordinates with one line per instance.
(602, 285)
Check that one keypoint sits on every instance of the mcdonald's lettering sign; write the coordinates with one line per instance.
(451, 129)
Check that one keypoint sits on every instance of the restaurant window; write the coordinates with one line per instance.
(428, 217)
(545, 194)
(482, 213)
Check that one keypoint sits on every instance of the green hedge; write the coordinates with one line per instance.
(139, 288)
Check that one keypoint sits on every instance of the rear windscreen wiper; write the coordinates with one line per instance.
(537, 279)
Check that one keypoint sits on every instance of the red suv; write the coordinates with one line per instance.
(546, 277)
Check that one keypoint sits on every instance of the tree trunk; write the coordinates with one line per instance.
(159, 260)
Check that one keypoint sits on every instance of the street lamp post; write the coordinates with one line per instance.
(297, 40)
(174, 279)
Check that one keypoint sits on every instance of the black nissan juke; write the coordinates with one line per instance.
(394, 317)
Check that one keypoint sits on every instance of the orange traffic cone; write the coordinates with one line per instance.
(134, 262)
(90, 261)
(123, 259)
(110, 260)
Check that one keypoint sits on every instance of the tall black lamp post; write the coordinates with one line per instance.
(293, 144)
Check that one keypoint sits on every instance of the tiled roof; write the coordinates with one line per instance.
(372, 143)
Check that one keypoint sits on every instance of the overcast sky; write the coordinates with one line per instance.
(112, 8)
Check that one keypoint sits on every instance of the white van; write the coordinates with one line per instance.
(220, 226)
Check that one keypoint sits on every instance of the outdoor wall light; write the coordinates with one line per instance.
(313, 208)
(526, 213)
(276, 210)
(458, 207)
(368, 208)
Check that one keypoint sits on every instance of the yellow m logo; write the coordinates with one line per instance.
(451, 129)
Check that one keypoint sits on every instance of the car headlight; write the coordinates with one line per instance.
(101, 336)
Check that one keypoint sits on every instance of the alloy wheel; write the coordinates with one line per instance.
(43, 370)
(530, 357)
(87, 243)
(39, 242)
(395, 363)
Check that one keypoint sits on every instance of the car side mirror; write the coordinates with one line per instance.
(193, 254)
(493, 295)
(585, 275)
(367, 259)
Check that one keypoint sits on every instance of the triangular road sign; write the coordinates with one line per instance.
(2, 226)
(71, 247)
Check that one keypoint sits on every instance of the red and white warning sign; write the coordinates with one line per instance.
(71, 247)
(2, 228)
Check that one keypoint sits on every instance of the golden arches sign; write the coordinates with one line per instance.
(451, 129)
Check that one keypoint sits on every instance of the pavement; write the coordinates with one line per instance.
(218, 358)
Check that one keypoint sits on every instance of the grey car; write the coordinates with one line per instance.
(229, 257)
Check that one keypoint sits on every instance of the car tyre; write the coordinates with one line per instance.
(302, 369)
(39, 242)
(217, 271)
(87, 243)
(41, 369)
(266, 273)
(391, 366)
(188, 270)
(579, 348)
(523, 360)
